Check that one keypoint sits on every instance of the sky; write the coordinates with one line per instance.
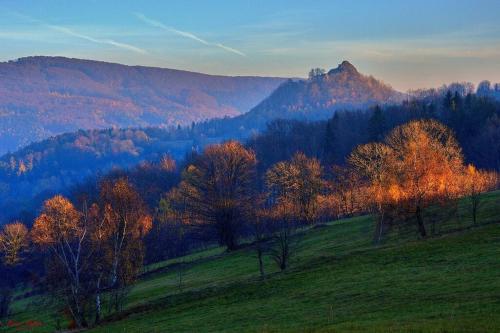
(407, 44)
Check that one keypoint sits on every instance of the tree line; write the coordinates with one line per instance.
(32, 174)
(94, 243)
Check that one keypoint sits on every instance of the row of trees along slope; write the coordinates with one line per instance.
(97, 250)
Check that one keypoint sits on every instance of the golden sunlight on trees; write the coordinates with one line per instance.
(418, 165)
(61, 229)
(217, 190)
(372, 163)
(426, 160)
(125, 222)
(474, 183)
(59, 222)
(13, 242)
(96, 249)
(167, 163)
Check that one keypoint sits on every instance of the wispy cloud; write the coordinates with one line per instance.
(70, 32)
(112, 42)
(186, 34)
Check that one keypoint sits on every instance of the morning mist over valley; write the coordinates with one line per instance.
(250, 166)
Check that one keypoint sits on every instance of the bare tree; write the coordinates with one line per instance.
(299, 183)
(125, 223)
(372, 164)
(283, 227)
(475, 183)
(63, 230)
(292, 196)
(13, 242)
(217, 191)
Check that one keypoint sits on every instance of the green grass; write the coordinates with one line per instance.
(338, 282)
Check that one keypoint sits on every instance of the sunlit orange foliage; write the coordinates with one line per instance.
(125, 222)
(419, 164)
(65, 231)
(427, 160)
(59, 221)
(474, 183)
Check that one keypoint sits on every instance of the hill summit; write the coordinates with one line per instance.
(343, 87)
(344, 67)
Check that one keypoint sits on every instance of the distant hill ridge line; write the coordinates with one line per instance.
(28, 59)
(44, 96)
(318, 97)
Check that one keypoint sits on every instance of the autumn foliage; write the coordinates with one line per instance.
(95, 246)
(93, 249)
(419, 164)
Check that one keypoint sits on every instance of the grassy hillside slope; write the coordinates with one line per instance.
(338, 282)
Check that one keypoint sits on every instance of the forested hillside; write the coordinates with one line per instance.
(87, 248)
(45, 96)
(317, 98)
(30, 175)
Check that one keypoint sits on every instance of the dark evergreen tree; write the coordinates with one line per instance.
(448, 100)
(456, 101)
(377, 125)
(329, 151)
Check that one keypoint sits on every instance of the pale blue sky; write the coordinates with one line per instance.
(408, 44)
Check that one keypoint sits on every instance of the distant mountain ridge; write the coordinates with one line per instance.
(45, 96)
(316, 98)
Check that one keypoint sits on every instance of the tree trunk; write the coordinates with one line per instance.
(5, 300)
(98, 301)
(474, 210)
(379, 229)
(261, 262)
(420, 222)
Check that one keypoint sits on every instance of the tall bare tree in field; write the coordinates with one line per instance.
(217, 190)
(372, 163)
(283, 226)
(125, 222)
(293, 188)
(63, 231)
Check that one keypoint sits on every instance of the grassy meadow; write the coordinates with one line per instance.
(338, 281)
